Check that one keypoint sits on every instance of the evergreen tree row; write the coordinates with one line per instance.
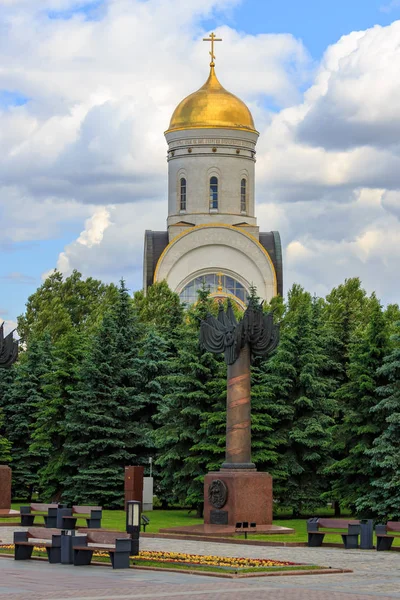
(105, 380)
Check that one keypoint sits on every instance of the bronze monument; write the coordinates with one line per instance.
(248, 494)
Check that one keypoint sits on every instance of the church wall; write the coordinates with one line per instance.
(198, 155)
(217, 249)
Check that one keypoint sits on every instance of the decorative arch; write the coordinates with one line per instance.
(222, 284)
(230, 246)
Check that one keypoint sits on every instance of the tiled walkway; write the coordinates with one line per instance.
(375, 575)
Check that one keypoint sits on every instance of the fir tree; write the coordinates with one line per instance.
(344, 312)
(20, 405)
(382, 497)
(267, 409)
(268, 412)
(5, 445)
(49, 428)
(6, 382)
(104, 422)
(356, 431)
(296, 383)
(154, 356)
(194, 393)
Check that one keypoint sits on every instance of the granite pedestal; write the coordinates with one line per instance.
(5, 487)
(134, 483)
(248, 498)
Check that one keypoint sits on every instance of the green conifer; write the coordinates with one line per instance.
(356, 431)
(195, 391)
(5, 445)
(382, 497)
(20, 405)
(49, 427)
(104, 421)
(297, 385)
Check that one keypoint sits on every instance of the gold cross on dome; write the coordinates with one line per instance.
(212, 39)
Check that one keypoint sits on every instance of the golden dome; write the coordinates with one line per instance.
(212, 106)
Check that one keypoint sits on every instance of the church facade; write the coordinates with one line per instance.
(212, 235)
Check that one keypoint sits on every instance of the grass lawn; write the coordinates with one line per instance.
(115, 519)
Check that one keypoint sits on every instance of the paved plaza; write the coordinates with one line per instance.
(375, 575)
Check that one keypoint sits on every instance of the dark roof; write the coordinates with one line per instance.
(155, 243)
(271, 241)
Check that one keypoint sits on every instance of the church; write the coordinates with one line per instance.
(212, 235)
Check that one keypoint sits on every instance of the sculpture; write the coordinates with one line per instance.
(255, 335)
(8, 349)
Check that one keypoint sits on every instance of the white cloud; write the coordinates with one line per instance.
(88, 146)
(24, 218)
(101, 92)
(332, 165)
(111, 245)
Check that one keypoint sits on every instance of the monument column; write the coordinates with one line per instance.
(238, 414)
(237, 493)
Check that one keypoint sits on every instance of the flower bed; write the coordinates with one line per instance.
(181, 558)
(209, 560)
(194, 562)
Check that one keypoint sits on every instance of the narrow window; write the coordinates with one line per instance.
(213, 192)
(243, 203)
(183, 194)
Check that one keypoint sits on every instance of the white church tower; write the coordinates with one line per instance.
(212, 234)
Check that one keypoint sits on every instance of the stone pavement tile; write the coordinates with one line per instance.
(41, 581)
(375, 575)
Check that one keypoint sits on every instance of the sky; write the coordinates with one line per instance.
(87, 90)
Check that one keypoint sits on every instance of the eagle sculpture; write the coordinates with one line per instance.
(225, 334)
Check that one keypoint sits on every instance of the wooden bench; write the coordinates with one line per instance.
(316, 536)
(9, 514)
(25, 541)
(118, 545)
(47, 511)
(67, 517)
(385, 534)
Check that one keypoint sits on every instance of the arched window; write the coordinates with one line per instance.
(183, 194)
(213, 192)
(243, 193)
(220, 285)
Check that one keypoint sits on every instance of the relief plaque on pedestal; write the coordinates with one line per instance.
(218, 517)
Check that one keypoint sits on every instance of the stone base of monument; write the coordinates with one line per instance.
(221, 531)
(233, 498)
(237, 496)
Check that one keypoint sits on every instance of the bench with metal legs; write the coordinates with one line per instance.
(25, 541)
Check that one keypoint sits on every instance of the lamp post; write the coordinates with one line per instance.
(133, 510)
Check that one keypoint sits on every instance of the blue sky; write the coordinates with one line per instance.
(317, 23)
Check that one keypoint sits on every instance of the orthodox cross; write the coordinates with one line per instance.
(212, 39)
